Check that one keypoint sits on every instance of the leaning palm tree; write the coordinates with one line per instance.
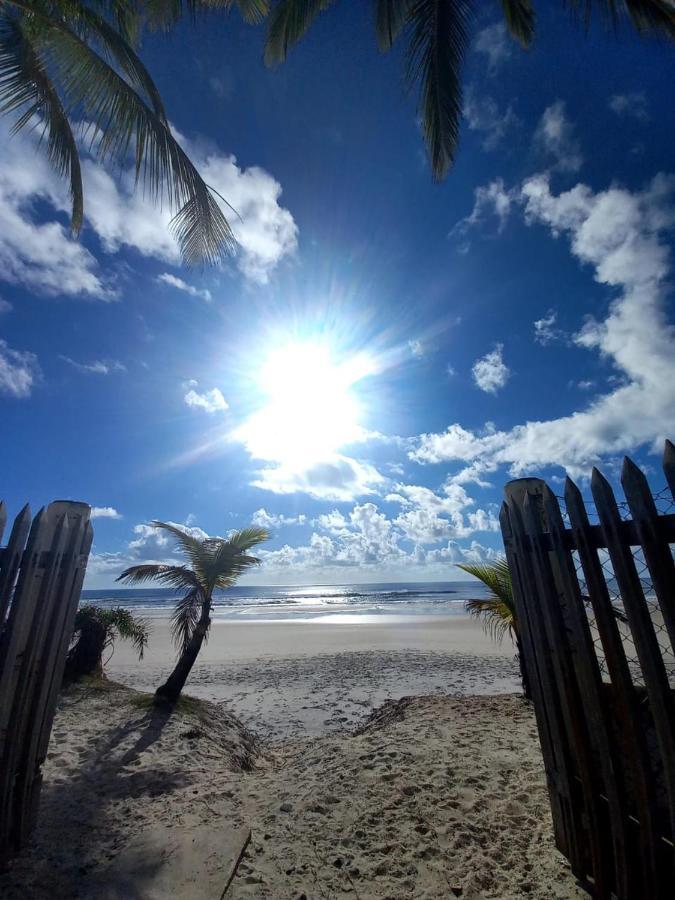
(497, 611)
(212, 564)
(70, 63)
(438, 34)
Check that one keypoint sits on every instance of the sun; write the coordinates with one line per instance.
(311, 406)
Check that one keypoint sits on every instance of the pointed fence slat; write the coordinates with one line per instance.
(608, 743)
(36, 626)
(653, 541)
(636, 760)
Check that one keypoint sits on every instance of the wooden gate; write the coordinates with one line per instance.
(594, 591)
(41, 573)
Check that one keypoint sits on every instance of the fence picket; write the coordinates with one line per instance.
(639, 620)
(11, 559)
(3, 518)
(40, 610)
(654, 543)
(569, 831)
(669, 466)
(637, 757)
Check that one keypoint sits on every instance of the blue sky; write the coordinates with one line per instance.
(384, 352)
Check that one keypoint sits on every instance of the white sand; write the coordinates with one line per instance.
(285, 679)
(426, 797)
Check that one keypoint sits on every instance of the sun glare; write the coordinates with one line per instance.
(311, 409)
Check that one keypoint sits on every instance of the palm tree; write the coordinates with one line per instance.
(438, 34)
(96, 630)
(497, 611)
(213, 563)
(69, 61)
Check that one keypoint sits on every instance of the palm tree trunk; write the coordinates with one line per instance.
(170, 691)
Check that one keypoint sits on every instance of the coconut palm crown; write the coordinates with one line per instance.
(438, 33)
(211, 564)
(496, 611)
(70, 70)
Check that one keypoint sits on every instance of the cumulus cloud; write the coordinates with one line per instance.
(429, 517)
(555, 136)
(104, 512)
(337, 477)
(263, 519)
(180, 285)
(632, 105)
(364, 544)
(43, 257)
(494, 43)
(622, 235)
(482, 114)
(19, 371)
(211, 401)
(96, 366)
(490, 372)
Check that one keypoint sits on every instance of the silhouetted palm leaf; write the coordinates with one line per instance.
(498, 611)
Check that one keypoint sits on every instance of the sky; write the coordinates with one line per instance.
(384, 353)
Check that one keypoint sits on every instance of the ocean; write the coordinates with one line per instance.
(318, 601)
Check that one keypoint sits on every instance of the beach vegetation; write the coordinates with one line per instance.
(497, 611)
(212, 563)
(94, 635)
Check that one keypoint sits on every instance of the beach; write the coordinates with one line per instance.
(391, 757)
(308, 677)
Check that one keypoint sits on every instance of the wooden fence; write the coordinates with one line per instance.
(41, 572)
(594, 591)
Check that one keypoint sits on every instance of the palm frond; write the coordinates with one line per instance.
(192, 547)
(130, 628)
(185, 616)
(164, 14)
(438, 43)
(498, 611)
(289, 22)
(25, 83)
(390, 20)
(497, 618)
(180, 577)
(228, 557)
(519, 19)
(649, 17)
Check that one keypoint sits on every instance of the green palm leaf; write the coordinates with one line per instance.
(649, 17)
(498, 611)
(519, 19)
(438, 43)
(185, 617)
(288, 23)
(391, 17)
(25, 83)
(171, 576)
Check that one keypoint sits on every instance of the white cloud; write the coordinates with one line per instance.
(633, 105)
(19, 371)
(180, 285)
(96, 366)
(483, 115)
(490, 372)
(211, 401)
(546, 330)
(429, 517)
(495, 44)
(104, 512)
(556, 137)
(621, 235)
(417, 348)
(491, 199)
(263, 519)
(335, 478)
(44, 258)
(5, 306)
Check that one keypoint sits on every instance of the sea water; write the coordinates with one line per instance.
(319, 601)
